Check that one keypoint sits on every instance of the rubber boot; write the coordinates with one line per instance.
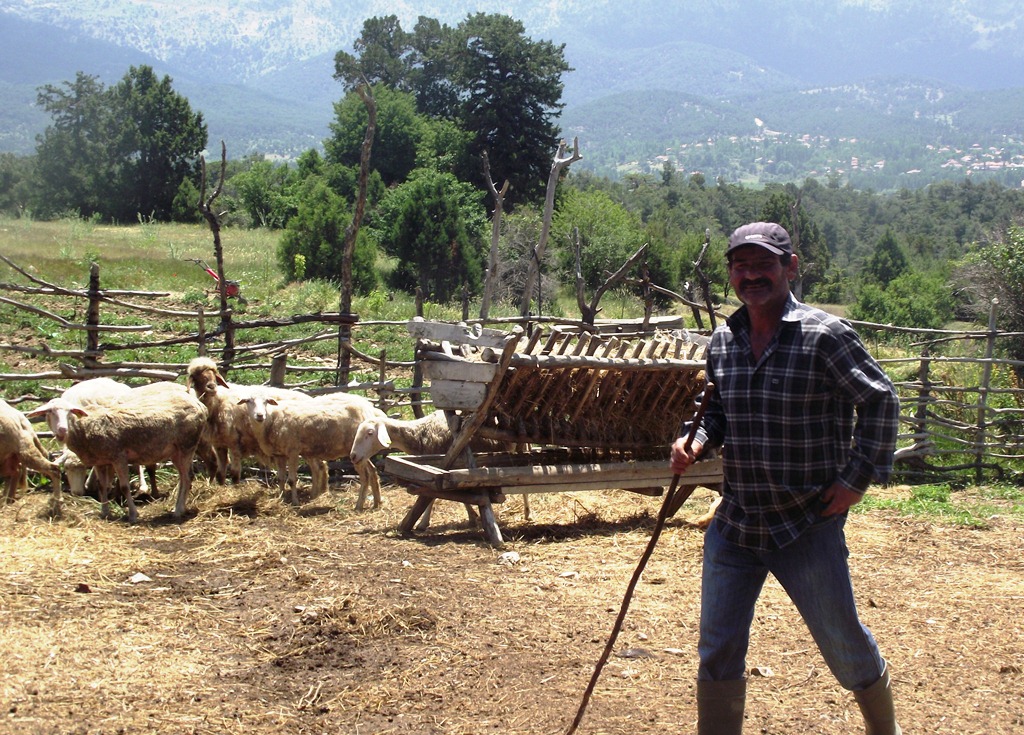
(720, 707)
(876, 705)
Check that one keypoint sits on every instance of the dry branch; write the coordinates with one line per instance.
(533, 269)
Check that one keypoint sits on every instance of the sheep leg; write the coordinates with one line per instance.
(125, 483)
(143, 487)
(282, 474)
(318, 473)
(526, 506)
(183, 464)
(369, 480)
(12, 487)
(235, 464)
(101, 476)
(151, 476)
(222, 464)
(287, 475)
(705, 520)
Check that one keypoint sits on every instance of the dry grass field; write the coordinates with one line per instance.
(253, 617)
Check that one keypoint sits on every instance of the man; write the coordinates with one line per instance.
(807, 420)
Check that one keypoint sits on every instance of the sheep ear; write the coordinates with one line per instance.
(39, 410)
(382, 435)
(220, 381)
(77, 411)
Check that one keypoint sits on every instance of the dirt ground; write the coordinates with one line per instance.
(253, 617)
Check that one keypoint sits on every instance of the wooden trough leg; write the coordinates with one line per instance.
(418, 508)
(425, 516)
(490, 525)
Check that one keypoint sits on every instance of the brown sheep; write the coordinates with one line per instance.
(141, 429)
(21, 448)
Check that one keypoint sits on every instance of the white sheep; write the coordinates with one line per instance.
(317, 430)
(430, 434)
(21, 448)
(144, 428)
(229, 432)
(86, 393)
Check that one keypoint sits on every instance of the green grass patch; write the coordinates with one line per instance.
(973, 507)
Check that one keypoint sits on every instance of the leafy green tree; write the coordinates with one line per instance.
(501, 87)
(160, 143)
(118, 153)
(910, 300)
(887, 263)
(399, 133)
(511, 95)
(183, 208)
(264, 191)
(433, 230)
(783, 208)
(381, 56)
(608, 235)
(431, 76)
(72, 165)
(312, 245)
(15, 182)
(996, 271)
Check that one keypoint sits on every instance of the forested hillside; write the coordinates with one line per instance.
(885, 225)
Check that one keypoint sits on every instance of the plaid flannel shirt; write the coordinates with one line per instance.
(815, 409)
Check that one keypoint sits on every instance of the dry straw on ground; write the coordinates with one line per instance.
(252, 617)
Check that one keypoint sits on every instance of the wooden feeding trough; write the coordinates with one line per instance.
(598, 412)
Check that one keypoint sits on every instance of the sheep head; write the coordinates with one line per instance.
(371, 437)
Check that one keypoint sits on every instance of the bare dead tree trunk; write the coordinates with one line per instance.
(705, 282)
(794, 234)
(589, 312)
(352, 232)
(648, 294)
(533, 270)
(92, 319)
(213, 220)
(491, 279)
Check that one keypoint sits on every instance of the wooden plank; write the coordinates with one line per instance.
(479, 416)
(550, 362)
(558, 477)
(459, 333)
(478, 497)
(415, 472)
(464, 370)
(457, 394)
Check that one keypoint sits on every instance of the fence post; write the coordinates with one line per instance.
(986, 380)
(382, 377)
(278, 369)
(416, 395)
(201, 314)
(923, 394)
(92, 319)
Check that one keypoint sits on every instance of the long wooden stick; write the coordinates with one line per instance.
(655, 534)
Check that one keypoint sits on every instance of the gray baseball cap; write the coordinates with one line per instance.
(770, 236)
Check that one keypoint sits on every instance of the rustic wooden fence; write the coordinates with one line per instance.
(962, 415)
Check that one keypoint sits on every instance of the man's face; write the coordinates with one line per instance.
(758, 276)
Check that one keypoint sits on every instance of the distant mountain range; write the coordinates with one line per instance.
(649, 75)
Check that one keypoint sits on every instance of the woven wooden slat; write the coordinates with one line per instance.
(601, 403)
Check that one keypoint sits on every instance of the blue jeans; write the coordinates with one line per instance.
(814, 572)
